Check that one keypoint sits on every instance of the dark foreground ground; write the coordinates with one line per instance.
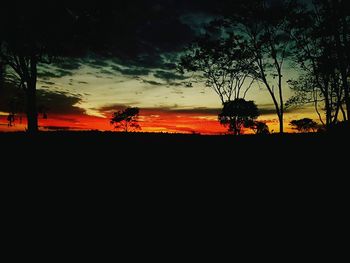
(121, 153)
(164, 162)
(178, 183)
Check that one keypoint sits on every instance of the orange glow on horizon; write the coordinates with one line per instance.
(150, 121)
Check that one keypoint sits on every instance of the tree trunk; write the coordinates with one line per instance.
(280, 119)
(280, 91)
(32, 113)
(345, 78)
(347, 97)
(343, 72)
(343, 113)
(342, 58)
(328, 112)
(234, 125)
(279, 111)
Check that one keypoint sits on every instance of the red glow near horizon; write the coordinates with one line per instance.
(150, 121)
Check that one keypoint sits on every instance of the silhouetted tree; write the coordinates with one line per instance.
(224, 63)
(126, 120)
(37, 32)
(34, 32)
(322, 59)
(260, 128)
(323, 91)
(336, 15)
(304, 125)
(265, 27)
(238, 114)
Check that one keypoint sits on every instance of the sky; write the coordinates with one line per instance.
(83, 93)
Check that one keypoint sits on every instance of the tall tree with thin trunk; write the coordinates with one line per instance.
(323, 57)
(336, 15)
(34, 33)
(38, 32)
(265, 27)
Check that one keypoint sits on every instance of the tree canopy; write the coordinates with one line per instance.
(304, 125)
(126, 120)
(238, 114)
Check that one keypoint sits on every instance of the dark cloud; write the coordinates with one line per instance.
(169, 66)
(59, 102)
(107, 109)
(62, 73)
(107, 72)
(141, 33)
(150, 59)
(131, 71)
(60, 68)
(12, 98)
(266, 109)
(68, 64)
(199, 111)
(174, 110)
(183, 84)
(97, 63)
(269, 109)
(144, 30)
(168, 75)
(53, 73)
(46, 75)
(138, 33)
(47, 82)
(166, 33)
(152, 82)
(140, 36)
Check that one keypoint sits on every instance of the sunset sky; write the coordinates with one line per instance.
(81, 94)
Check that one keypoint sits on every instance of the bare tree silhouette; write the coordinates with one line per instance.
(39, 32)
(321, 34)
(265, 27)
(28, 41)
(224, 63)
